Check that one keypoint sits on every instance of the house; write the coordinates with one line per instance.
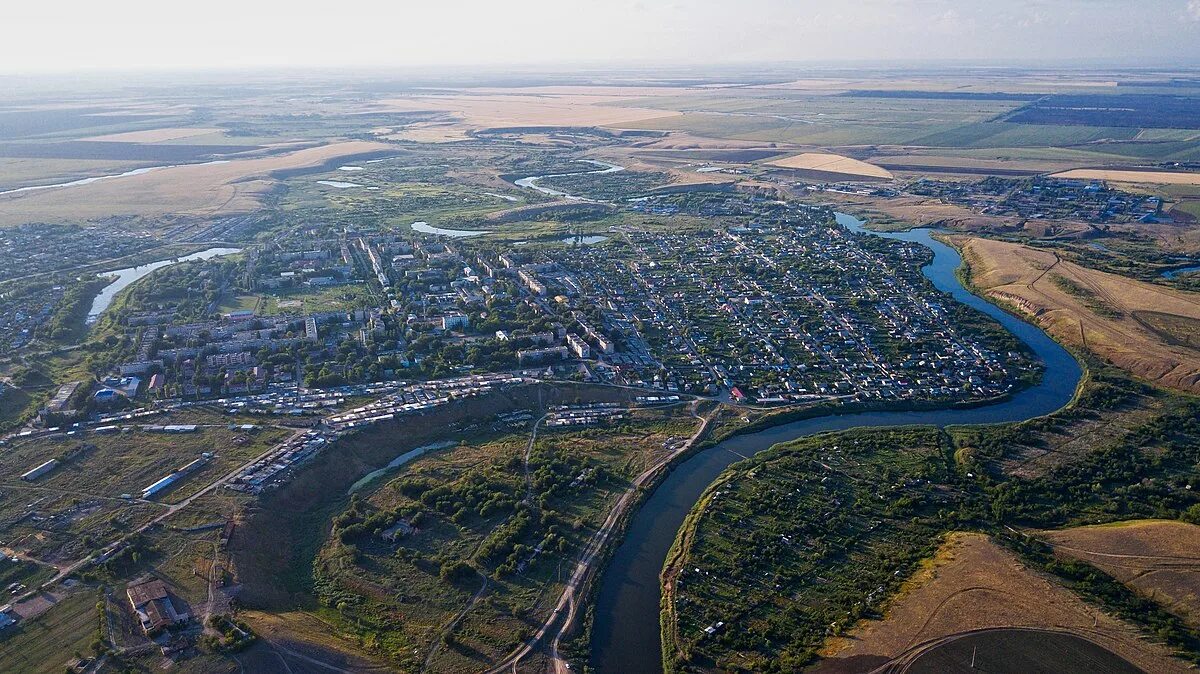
(154, 608)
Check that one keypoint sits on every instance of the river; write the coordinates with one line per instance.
(126, 277)
(625, 634)
(531, 181)
(96, 179)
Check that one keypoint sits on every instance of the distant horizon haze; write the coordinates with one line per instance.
(76, 37)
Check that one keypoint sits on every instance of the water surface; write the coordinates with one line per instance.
(126, 277)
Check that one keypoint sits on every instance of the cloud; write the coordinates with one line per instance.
(1193, 10)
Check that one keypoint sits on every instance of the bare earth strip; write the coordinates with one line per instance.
(832, 163)
(153, 135)
(197, 189)
(974, 584)
(1156, 177)
(1140, 327)
(1159, 559)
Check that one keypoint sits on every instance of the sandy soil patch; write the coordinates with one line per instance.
(832, 163)
(153, 135)
(971, 584)
(1141, 327)
(198, 189)
(501, 110)
(1159, 559)
(1156, 177)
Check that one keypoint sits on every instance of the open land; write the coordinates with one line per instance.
(1144, 328)
(1117, 176)
(208, 190)
(972, 584)
(1158, 559)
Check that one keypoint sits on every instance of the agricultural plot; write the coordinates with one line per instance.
(46, 643)
(807, 538)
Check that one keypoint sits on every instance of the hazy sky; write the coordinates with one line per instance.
(56, 35)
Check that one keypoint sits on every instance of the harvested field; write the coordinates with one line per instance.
(1159, 559)
(153, 135)
(199, 189)
(1156, 177)
(1140, 327)
(974, 584)
(832, 163)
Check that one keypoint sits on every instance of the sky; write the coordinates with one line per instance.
(82, 35)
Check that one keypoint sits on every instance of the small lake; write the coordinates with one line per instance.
(426, 228)
(397, 462)
(582, 240)
(341, 185)
(126, 277)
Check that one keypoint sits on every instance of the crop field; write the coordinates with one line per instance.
(537, 109)
(1092, 309)
(154, 135)
(1127, 110)
(972, 583)
(1160, 559)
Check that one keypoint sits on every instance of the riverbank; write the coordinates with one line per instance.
(626, 627)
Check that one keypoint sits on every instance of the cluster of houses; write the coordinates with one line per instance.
(1046, 198)
(788, 310)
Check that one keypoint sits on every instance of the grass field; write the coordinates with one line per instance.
(1159, 559)
(300, 300)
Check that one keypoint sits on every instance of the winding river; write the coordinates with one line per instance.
(532, 181)
(123, 278)
(625, 634)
